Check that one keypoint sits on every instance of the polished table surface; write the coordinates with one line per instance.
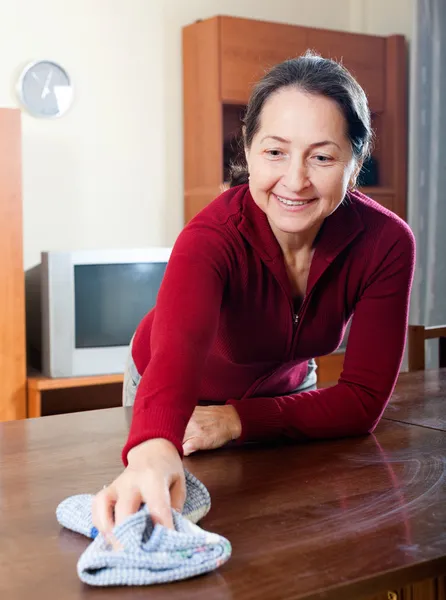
(420, 399)
(333, 519)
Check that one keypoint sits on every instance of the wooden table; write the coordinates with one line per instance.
(420, 399)
(336, 520)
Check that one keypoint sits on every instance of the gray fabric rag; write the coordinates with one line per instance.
(147, 553)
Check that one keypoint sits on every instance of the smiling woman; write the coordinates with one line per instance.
(260, 282)
(307, 132)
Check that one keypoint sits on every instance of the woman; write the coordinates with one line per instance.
(259, 283)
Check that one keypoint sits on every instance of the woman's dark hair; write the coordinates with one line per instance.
(315, 75)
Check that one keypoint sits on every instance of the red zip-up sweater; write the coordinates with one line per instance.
(224, 330)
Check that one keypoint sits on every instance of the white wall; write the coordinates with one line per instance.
(109, 173)
(95, 177)
(382, 17)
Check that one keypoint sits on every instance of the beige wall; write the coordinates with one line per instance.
(109, 173)
(382, 17)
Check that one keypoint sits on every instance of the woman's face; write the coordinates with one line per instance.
(300, 161)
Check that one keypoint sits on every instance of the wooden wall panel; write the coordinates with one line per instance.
(12, 294)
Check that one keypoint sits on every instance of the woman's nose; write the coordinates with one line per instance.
(296, 177)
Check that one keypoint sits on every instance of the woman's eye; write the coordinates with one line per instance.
(322, 159)
(274, 153)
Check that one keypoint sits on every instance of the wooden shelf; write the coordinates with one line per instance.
(37, 385)
(39, 382)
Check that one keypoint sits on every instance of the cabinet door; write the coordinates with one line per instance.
(242, 63)
(12, 292)
(248, 48)
(202, 119)
(429, 589)
(363, 55)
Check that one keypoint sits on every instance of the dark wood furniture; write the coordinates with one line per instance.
(12, 291)
(224, 56)
(346, 519)
(417, 336)
(48, 395)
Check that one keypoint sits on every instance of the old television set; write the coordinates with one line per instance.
(82, 307)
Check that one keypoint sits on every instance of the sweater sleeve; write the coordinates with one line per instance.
(184, 326)
(372, 361)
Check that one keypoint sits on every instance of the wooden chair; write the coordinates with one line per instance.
(416, 337)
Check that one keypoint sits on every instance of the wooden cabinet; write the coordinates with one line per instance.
(246, 47)
(224, 56)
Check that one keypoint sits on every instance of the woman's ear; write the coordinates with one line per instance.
(354, 175)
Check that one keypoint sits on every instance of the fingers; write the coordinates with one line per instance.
(211, 427)
(103, 510)
(178, 494)
(128, 503)
(155, 476)
(156, 496)
(192, 430)
(188, 448)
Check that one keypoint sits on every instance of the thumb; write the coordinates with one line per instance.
(188, 448)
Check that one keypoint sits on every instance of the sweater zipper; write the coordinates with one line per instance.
(297, 316)
(295, 320)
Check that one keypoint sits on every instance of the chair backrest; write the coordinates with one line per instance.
(416, 337)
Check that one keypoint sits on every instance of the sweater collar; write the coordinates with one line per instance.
(337, 232)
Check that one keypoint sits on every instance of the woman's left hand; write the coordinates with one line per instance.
(211, 427)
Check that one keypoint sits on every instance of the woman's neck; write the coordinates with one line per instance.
(296, 244)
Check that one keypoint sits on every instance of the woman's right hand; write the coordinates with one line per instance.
(154, 475)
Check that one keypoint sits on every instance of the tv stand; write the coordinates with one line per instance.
(37, 385)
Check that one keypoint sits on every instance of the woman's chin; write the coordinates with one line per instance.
(292, 223)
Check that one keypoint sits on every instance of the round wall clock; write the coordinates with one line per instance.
(45, 89)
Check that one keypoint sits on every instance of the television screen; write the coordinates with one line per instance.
(111, 300)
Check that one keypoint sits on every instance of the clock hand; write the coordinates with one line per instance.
(35, 77)
(46, 89)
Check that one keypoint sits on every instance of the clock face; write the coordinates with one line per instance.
(45, 89)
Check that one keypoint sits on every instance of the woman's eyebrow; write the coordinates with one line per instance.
(278, 138)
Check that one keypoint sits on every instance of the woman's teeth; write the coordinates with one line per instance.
(292, 202)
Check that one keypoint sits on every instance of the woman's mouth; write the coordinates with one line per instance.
(296, 204)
